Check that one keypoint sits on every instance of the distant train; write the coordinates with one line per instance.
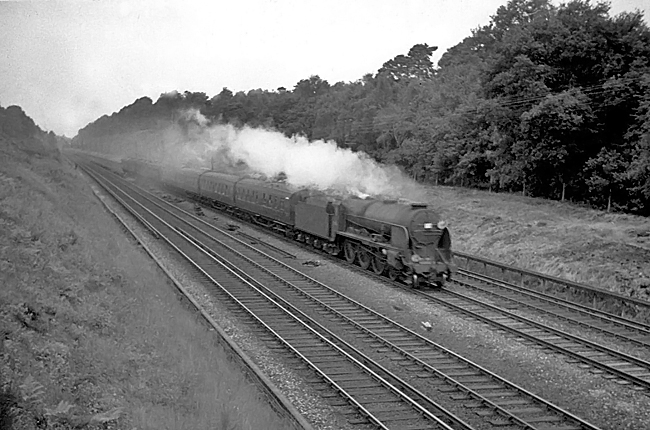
(402, 241)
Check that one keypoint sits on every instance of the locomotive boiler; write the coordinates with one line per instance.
(405, 240)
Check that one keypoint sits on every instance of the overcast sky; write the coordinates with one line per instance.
(69, 62)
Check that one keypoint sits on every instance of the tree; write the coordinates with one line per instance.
(416, 64)
(557, 129)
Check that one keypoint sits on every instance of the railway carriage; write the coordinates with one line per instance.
(218, 189)
(267, 202)
(182, 181)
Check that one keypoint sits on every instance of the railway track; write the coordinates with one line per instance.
(367, 393)
(612, 364)
(517, 297)
(626, 368)
(493, 400)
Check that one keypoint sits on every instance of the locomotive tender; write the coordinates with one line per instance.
(402, 241)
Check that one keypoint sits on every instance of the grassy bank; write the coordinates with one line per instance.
(608, 250)
(91, 333)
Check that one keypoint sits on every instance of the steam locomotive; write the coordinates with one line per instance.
(404, 241)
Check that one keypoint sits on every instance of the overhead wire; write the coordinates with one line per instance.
(591, 91)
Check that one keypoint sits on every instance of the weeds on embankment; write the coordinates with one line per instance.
(91, 333)
(607, 250)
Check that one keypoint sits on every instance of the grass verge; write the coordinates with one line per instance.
(607, 250)
(92, 334)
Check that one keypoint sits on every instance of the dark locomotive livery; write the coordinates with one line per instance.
(402, 241)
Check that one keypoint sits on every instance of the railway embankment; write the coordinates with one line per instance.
(594, 247)
(92, 334)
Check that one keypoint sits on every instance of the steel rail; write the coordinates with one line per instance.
(296, 350)
(329, 307)
(424, 364)
(422, 398)
(555, 280)
(644, 340)
(553, 345)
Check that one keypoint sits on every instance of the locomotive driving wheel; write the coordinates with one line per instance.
(393, 273)
(378, 264)
(365, 258)
(350, 250)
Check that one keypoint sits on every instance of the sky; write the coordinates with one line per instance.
(66, 63)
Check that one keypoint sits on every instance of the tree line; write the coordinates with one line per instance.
(551, 101)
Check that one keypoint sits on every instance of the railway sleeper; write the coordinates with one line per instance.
(619, 364)
(461, 371)
(473, 404)
(486, 412)
(425, 426)
(427, 356)
(356, 385)
(526, 411)
(481, 387)
(399, 358)
(380, 400)
(349, 378)
(498, 421)
(410, 344)
(473, 379)
(511, 402)
(548, 419)
(436, 360)
(397, 406)
(369, 391)
(415, 348)
(358, 421)
(327, 358)
(335, 371)
(562, 427)
(504, 392)
(635, 370)
(391, 416)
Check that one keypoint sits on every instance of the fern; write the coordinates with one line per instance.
(61, 409)
(107, 416)
(32, 392)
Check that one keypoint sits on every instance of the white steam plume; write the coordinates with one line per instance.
(318, 164)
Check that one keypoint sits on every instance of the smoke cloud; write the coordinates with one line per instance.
(297, 161)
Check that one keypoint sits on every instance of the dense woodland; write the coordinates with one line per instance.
(19, 131)
(551, 101)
